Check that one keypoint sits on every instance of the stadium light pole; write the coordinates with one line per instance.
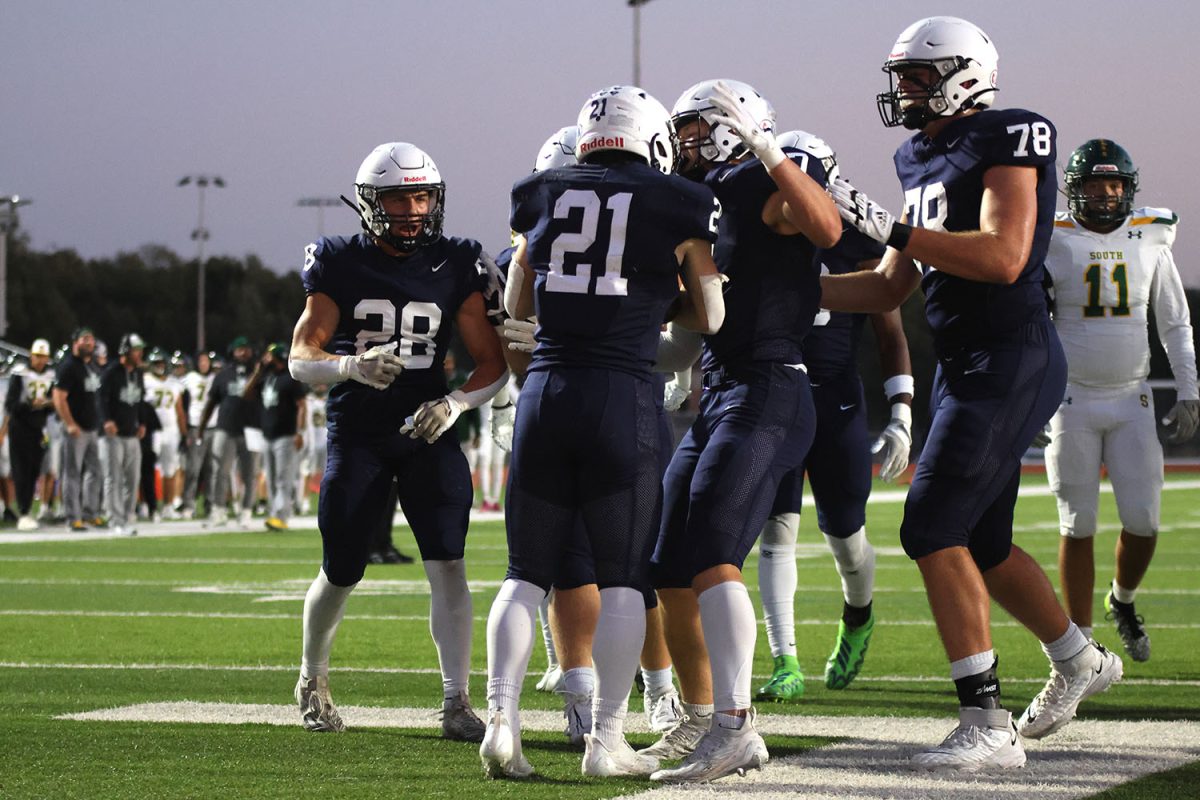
(8, 224)
(200, 236)
(636, 5)
(320, 203)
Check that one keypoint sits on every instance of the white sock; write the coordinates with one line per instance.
(698, 710)
(777, 582)
(1087, 632)
(450, 621)
(616, 649)
(509, 645)
(658, 681)
(1067, 646)
(547, 637)
(1121, 594)
(324, 605)
(856, 565)
(581, 680)
(730, 631)
(972, 665)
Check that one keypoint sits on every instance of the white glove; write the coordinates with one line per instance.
(502, 426)
(893, 444)
(761, 143)
(434, 417)
(519, 333)
(861, 211)
(377, 367)
(1185, 416)
(1042, 439)
(676, 392)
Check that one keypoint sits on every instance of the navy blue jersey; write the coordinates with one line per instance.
(943, 190)
(774, 287)
(831, 347)
(411, 302)
(601, 240)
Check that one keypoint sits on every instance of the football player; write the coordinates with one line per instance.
(165, 394)
(27, 404)
(838, 466)
(229, 438)
(756, 417)
(384, 304)
(979, 188)
(604, 245)
(198, 460)
(1111, 264)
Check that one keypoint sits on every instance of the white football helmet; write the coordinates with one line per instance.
(627, 118)
(960, 54)
(559, 150)
(399, 166)
(722, 143)
(815, 146)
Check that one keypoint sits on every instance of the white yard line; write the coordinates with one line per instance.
(870, 760)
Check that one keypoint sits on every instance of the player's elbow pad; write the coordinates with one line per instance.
(322, 371)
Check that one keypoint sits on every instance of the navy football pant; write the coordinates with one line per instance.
(721, 483)
(434, 489)
(585, 460)
(988, 403)
(838, 464)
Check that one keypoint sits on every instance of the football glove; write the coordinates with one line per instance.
(493, 295)
(519, 333)
(1185, 416)
(761, 143)
(893, 444)
(1042, 439)
(861, 211)
(377, 367)
(676, 392)
(433, 418)
(502, 426)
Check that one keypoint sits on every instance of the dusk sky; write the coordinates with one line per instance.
(106, 105)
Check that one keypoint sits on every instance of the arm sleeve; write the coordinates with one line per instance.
(1174, 325)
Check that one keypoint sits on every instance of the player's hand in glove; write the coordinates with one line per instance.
(862, 212)
(502, 425)
(1185, 416)
(761, 143)
(519, 333)
(893, 444)
(676, 392)
(434, 417)
(377, 367)
(1042, 439)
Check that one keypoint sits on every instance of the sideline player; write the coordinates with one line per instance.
(1111, 264)
(838, 467)
(165, 395)
(756, 417)
(605, 244)
(979, 188)
(385, 302)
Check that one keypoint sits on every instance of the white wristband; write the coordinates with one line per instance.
(899, 384)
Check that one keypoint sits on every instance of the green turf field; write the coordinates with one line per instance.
(215, 617)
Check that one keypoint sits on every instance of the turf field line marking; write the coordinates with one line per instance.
(921, 679)
(91, 612)
(869, 760)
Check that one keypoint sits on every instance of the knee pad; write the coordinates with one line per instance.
(988, 552)
(780, 529)
(1142, 523)
(1077, 524)
(343, 572)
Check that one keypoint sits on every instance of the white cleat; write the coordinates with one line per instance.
(663, 712)
(317, 712)
(459, 721)
(577, 708)
(245, 518)
(551, 681)
(722, 751)
(1071, 682)
(218, 519)
(985, 738)
(499, 751)
(27, 523)
(600, 762)
(680, 741)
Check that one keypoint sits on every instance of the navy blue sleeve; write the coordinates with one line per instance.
(697, 211)
(1018, 138)
(526, 209)
(313, 273)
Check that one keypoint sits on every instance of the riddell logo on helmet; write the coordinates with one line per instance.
(413, 180)
(603, 141)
